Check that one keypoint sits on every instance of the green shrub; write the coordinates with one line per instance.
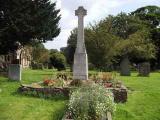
(91, 103)
(58, 60)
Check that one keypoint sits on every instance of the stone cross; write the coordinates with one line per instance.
(80, 67)
(80, 12)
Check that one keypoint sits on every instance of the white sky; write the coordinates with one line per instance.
(96, 10)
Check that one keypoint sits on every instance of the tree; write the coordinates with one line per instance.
(124, 25)
(101, 46)
(94, 45)
(71, 46)
(151, 14)
(114, 38)
(127, 26)
(27, 21)
(40, 54)
(138, 47)
(57, 59)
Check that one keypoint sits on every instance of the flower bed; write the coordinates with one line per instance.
(92, 99)
(91, 102)
(111, 82)
(58, 85)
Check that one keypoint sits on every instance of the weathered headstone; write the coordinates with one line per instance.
(80, 67)
(125, 67)
(144, 69)
(14, 72)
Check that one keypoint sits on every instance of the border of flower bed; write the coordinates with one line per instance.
(109, 117)
(120, 94)
(45, 90)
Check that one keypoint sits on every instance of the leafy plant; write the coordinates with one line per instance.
(91, 102)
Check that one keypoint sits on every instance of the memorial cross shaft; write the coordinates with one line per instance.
(80, 67)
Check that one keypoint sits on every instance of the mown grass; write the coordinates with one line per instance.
(143, 99)
(14, 106)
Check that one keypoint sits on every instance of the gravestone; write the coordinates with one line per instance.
(80, 66)
(144, 69)
(125, 67)
(14, 72)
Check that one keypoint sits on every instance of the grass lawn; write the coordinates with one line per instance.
(14, 106)
(143, 100)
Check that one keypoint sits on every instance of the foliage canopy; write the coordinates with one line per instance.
(27, 21)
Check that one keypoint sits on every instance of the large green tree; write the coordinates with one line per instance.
(98, 41)
(124, 25)
(134, 40)
(151, 14)
(133, 32)
(27, 21)
(114, 38)
(101, 45)
(138, 47)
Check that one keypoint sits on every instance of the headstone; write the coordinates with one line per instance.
(144, 69)
(125, 67)
(80, 67)
(14, 72)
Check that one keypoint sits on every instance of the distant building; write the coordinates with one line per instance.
(21, 56)
(25, 58)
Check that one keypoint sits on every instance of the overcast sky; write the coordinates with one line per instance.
(96, 10)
